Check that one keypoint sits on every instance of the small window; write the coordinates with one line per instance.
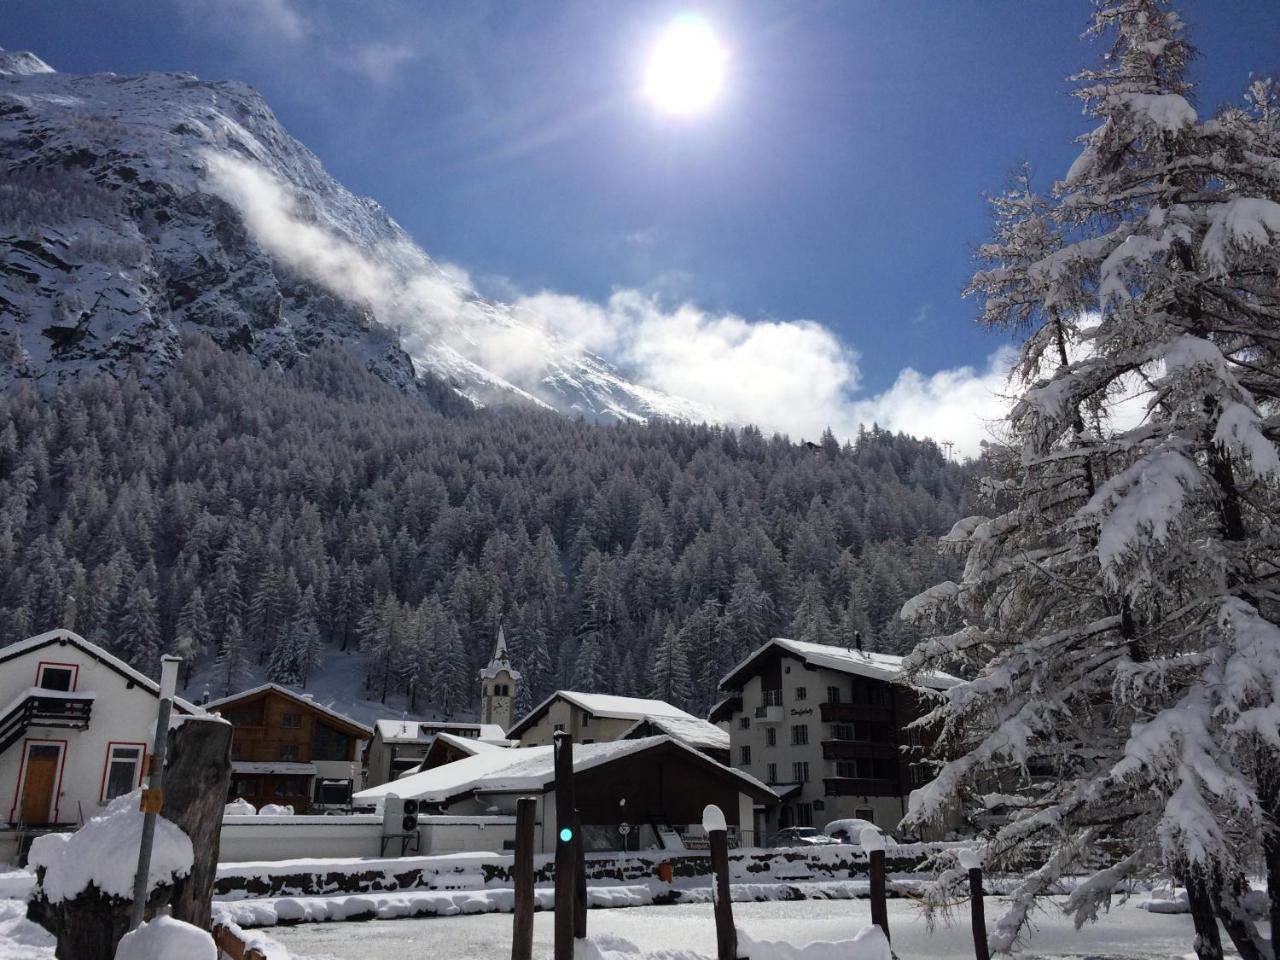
(558, 727)
(771, 736)
(56, 678)
(291, 720)
(842, 731)
(772, 775)
(802, 693)
(804, 815)
(800, 772)
(291, 787)
(288, 751)
(799, 735)
(589, 740)
(245, 786)
(744, 723)
(124, 769)
(744, 756)
(833, 694)
(865, 813)
(586, 719)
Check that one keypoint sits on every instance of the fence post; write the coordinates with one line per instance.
(579, 888)
(522, 879)
(717, 833)
(872, 841)
(566, 860)
(978, 915)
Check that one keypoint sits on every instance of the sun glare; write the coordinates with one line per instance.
(686, 69)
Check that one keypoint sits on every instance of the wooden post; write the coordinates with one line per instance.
(522, 879)
(978, 915)
(879, 904)
(566, 861)
(726, 934)
(580, 874)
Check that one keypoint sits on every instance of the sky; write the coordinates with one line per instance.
(830, 198)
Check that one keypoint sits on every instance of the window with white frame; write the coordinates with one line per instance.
(124, 769)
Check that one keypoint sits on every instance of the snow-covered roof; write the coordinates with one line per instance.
(603, 705)
(696, 733)
(274, 766)
(875, 666)
(302, 699)
(529, 768)
(62, 636)
(424, 731)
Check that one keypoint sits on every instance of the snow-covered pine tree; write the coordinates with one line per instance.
(669, 675)
(1117, 615)
(232, 664)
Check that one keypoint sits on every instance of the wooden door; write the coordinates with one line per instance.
(38, 784)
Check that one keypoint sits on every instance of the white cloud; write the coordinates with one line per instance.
(793, 376)
(261, 21)
(378, 60)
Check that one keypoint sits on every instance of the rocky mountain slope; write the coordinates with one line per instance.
(133, 208)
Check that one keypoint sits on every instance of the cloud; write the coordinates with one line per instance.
(792, 376)
(260, 21)
(378, 60)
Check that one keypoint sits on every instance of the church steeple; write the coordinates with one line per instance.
(498, 685)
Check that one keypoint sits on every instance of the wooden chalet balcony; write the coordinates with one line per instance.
(38, 707)
(859, 787)
(859, 750)
(848, 712)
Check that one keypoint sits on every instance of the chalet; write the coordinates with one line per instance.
(826, 728)
(76, 729)
(399, 746)
(601, 717)
(288, 749)
(656, 786)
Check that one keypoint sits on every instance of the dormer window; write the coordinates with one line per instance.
(56, 676)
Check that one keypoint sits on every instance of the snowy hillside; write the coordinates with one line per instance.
(132, 208)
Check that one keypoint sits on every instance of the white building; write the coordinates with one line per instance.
(826, 728)
(603, 717)
(399, 746)
(76, 729)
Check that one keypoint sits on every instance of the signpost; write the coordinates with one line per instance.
(153, 795)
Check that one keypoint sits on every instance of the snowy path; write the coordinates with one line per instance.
(1126, 932)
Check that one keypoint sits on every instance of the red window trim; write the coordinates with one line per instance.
(106, 764)
(73, 667)
(22, 772)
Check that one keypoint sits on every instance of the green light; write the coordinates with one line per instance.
(566, 835)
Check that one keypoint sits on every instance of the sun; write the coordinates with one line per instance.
(687, 67)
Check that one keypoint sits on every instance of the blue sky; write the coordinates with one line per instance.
(838, 180)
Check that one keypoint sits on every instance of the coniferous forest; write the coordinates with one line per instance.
(257, 518)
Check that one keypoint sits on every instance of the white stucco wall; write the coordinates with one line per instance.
(123, 713)
(253, 839)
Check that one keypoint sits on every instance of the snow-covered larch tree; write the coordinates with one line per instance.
(1117, 614)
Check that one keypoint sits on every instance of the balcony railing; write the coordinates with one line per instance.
(859, 750)
(38, 707)
(859, 787)
(849, 712)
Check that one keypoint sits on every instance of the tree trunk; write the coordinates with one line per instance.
(196, 780)
(1229, 905)
(89, 926)
(1208, 943)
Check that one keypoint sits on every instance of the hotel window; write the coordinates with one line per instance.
(804, 815)
(744, 756)
(771, 776)
(802, 693)
(770, 737)
(833, 694)
(800, 772)
(799, 735)
(842, 731)
(744, 723)
(124, 765)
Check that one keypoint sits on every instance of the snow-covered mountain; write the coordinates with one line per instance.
(134, 208)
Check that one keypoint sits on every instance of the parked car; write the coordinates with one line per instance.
(800, 837)
(849, 830)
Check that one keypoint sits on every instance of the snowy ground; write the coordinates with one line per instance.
(1126, 932)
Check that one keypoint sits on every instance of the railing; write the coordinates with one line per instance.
(44, 708)
(859, 787)
(859, 750)
(848, 712)
(772, 698)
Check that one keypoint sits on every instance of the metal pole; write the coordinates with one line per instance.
(153, 795)
(566, 861)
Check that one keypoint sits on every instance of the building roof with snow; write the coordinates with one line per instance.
(602, 705)
(532, 769)
(691, 731)
(873, 666)
(424, 731)
(303, 699)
